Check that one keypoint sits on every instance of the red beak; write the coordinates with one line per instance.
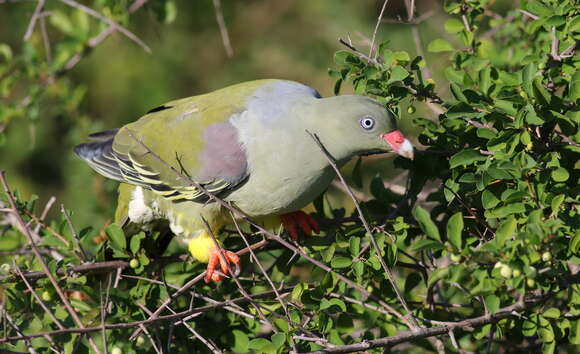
(399, 144)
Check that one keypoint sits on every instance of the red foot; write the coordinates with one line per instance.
(215, 260)
(292, 221)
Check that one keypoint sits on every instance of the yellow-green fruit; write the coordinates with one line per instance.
(516, 272)
(455, 257)
(140, 340)
(5, 268)
(506, 271)
(531, 283)
(411, 109)
(546, 256)
(46, 296)
(116, 350)
(134, 263)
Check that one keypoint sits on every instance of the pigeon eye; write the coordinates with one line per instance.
(367, 123)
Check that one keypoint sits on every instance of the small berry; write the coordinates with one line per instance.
(46, 296)
(506, 271)
(134, 263)
(546, 256)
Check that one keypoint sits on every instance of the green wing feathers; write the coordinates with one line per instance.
(192, 135)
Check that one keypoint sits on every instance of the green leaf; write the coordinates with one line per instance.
(61, 21)
(506, 231)
(574, 88)
(453, 25)
(458, 93)
(398, 74)
(343, 57)
(278, 340)
(83, 306)
(485, 80)
(540, 92)
(538, 8)
(506, 210)
(454, 230)
(492, 302)
(528, 74)
(340, 262)
(466, 157)
(427, 244)
(488, 199)
(439, 45)
(545, 330)
(135, 243)
(425, 222)
(298, 291)
(338, 303)
(117, 237)
(354, 246)
(556, 202)
(560, 174)
(552, 313)
(262, 345)
(575, 243)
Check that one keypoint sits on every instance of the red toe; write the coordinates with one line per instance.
(229, 258)
(299, 219)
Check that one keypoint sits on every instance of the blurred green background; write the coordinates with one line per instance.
(118, 81)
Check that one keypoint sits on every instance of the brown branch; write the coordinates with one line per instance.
(173, 317)
(99, 267)
(28, 234)
(408, 336)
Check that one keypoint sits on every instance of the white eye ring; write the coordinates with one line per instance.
(367, 122)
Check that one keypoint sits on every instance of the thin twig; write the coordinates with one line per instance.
(223, 28)
(372, 49)
(173, 317)
(108, 21)
(96, 40)
(17, 329)
(211, 346)
(37, 298)
(33, 19)
(188, 285)
(76, 238)
(40, 259)
(408, 336)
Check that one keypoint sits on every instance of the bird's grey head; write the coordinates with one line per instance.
(351, 125)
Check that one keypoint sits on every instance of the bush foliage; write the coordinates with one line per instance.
(479, 252)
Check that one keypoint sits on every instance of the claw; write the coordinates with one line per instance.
(305, 222)
(214, 260)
